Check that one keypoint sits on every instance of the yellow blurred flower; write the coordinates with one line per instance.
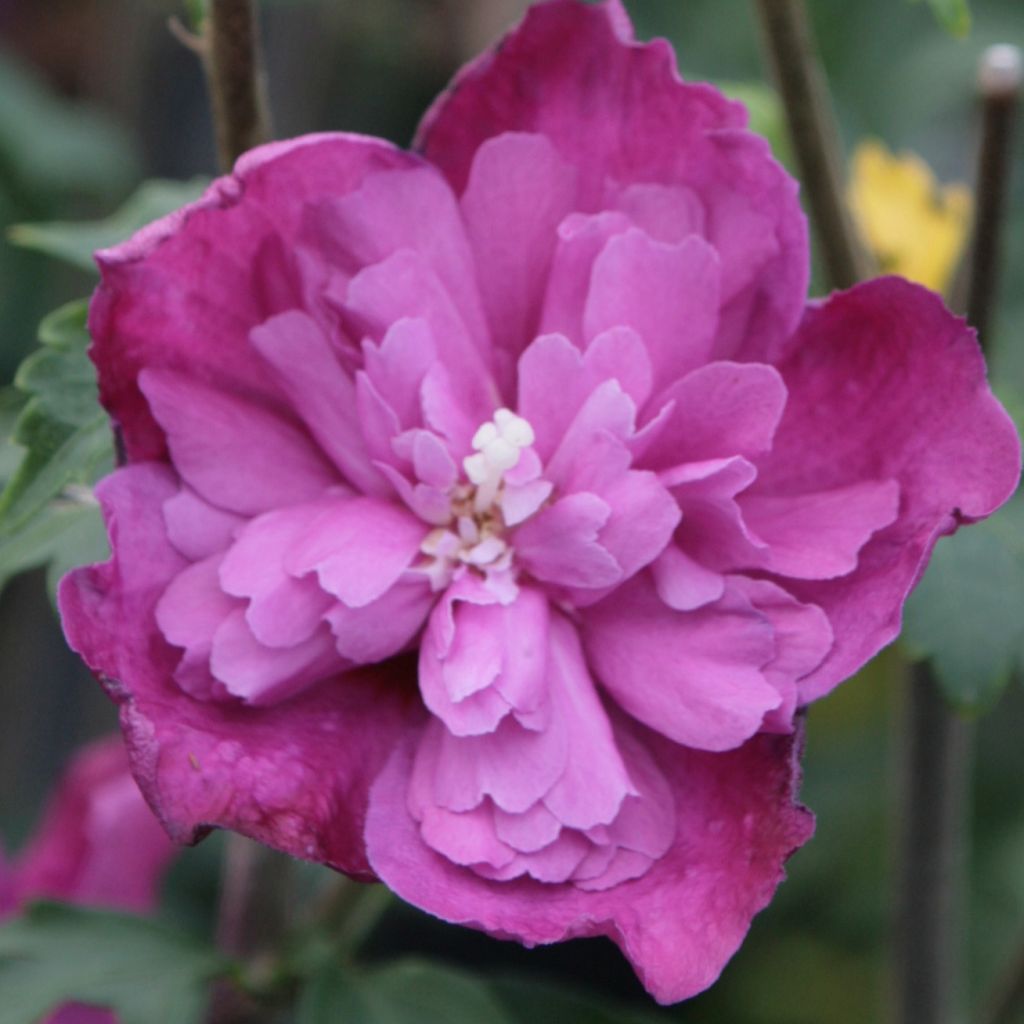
(913, 226)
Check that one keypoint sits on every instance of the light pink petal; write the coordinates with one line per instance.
(405, 285)
(513, 766)
(643, 516)
(396, 367)
(736, 823)
(358, 547)
(560, 544)
(667, 293)
(620, 113)
(177, 295)
(295, 776)
(409, 208)
(683, 583)
(195, 527)
(818, 536)
(713, 530)
(556, 379)
(719, 410)
(321, 392)
(519, 190)
(189, 613)
(98, 844)
(480, 659)
(668, 213)
(803, 639)
(581, 237)
(466, 838)
(236, 454)
(694, 676)
(591, 448)
(885, 384)
(527, 832)
(595, 782)
(384, 627)
(261, 674)
(281, 610)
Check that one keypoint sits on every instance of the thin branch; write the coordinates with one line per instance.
(999, 82)
(934, 795)
(801, 83)
(234, 73)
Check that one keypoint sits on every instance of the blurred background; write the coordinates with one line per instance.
(97, 95)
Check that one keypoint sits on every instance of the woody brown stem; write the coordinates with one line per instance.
(235, 78)
(789, 45)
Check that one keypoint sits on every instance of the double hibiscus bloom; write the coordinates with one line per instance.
(491, 510)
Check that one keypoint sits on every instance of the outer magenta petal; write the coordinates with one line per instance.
(737, 824)
(160, 305)
(884, 383)
(294, 776)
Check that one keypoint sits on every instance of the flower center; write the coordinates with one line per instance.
(475, 536)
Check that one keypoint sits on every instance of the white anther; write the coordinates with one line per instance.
(476, 467)
(500, 454)
(513, 428)
(486, 433)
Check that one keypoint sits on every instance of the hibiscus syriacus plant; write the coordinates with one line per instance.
(491, 510)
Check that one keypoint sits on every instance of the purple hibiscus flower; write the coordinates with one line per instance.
(491, 509)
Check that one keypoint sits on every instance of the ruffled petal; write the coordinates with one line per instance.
(619, 113)
(694, 676)
(884, 383)
(153, 309)
(736, 823)
(295, 776)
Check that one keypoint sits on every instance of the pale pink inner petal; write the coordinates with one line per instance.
(666, 292)
(195, 527)
(265, 675)
(697, 677)
(683, 583)
(407, 209)
(384, 627)
(321, 392)
(283, 610)
(398, 365)
(719, 410)
(817, 536)
(358, 547)
(236, 454)
(518, 192)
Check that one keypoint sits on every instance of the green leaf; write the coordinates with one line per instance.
(953, 15)
(59, 440)
(75, 243)
(540, 1002)
(146, 972)
(63, 535)
(965, 615)
(407, 992)
(196, 14)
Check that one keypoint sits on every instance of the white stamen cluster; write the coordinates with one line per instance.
(475, 535)
(498, 445)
